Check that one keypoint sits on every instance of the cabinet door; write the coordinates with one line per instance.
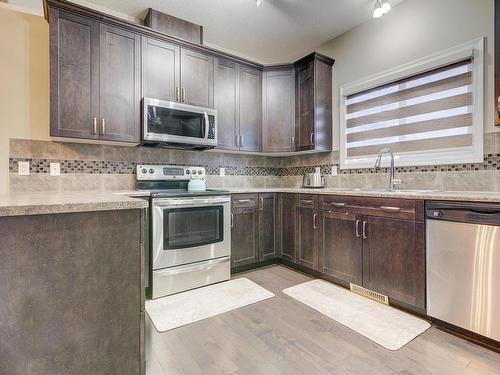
(161, 70)
(278, 125)
(197, 78)
(74, 76)
(305, 107)
(308, 231)
(267, 224)
(250, 108)
(287, 226)
(226, 104)
(120, 66)
(341, 246)
(394, 259)
(244, 240)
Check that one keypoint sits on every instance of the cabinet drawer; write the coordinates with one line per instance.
(245, 200)
(405, 209)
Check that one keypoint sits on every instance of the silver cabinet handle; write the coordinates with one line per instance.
(243, 200)
(94, 125)
(232, 220)
(364, 230)
(357, 228)
(241, 141)
(261, 203)
(390, 208)
(103, 126)
(315, 221)
(293, 142)
(236, 140)
(305, 201)
(177, 94)
(312, 139)
(183, 94)
(337, 204)
(498, 106)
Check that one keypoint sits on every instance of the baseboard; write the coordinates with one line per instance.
(252, 266)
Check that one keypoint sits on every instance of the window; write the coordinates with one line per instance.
(428, 112)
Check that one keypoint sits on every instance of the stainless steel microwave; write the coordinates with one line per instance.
(176, 125)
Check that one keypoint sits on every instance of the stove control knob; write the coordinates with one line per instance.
(200, 172)
(144, 170)
(151, 171)
(188, 171)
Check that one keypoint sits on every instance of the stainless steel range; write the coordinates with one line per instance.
(190, 231)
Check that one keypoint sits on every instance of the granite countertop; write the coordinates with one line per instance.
(464, 196)
(36, 203)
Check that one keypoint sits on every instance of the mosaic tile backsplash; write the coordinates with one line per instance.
(103, 167)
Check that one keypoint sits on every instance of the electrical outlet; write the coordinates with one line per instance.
(334, 170)
(23, 168)
(318, 170)
(222, 171)
(55, 169)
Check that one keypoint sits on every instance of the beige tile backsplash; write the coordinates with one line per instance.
(483, 180)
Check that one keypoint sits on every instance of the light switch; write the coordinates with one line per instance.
(23, 168)
(222, 171)
(55, 169)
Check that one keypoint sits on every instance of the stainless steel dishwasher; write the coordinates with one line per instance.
(463, 265)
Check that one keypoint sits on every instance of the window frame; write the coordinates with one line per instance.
(473, 49)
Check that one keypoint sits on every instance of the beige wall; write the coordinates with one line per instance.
(24, 82)
(412, 30)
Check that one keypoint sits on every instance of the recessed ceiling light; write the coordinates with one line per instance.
(381, 8)
(259, 2)
(386, 7)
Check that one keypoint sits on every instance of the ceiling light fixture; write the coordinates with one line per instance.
(381, 8)
(259, 2)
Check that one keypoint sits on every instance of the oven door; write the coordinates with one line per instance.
(172, 122)
(187, 230)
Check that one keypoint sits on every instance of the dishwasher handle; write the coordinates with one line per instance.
(471, 215)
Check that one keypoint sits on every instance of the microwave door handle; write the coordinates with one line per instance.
(206, 125)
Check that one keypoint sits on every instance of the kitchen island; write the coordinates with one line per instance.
(72, 284)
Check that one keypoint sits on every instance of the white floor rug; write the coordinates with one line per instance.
(384, 325)
(183, 308)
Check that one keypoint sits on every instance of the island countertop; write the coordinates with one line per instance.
(37, 203)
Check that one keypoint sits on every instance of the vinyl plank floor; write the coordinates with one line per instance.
(283, 336)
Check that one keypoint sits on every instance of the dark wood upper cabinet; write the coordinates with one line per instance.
(267, 226)
(95, 80)
(497, 62)
(307, 231)
(278, 104)
(341, 246)
(287, 226)
(250, 108)
(197, 78)
(161, 69)
(74, 76)
(120, 73)
(226, 104)
(394, 259)
(313, 92)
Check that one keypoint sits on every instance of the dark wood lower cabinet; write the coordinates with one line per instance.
(394, 259)
(253, 232)
(267, 225)
(244, 236)
(341, 246)
(287, 227)
(307, 231)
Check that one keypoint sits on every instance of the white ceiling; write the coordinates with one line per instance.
(277, 31)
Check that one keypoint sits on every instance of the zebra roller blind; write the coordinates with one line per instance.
(428, 112)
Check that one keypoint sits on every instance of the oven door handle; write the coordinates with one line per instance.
(176, 203)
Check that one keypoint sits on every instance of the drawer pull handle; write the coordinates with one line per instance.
(315, 221)
(306, 201)
(390, 208)
(357, 228)
(243, 200)
(232, 220)
(337, 204)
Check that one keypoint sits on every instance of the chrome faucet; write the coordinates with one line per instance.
(392, 181)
